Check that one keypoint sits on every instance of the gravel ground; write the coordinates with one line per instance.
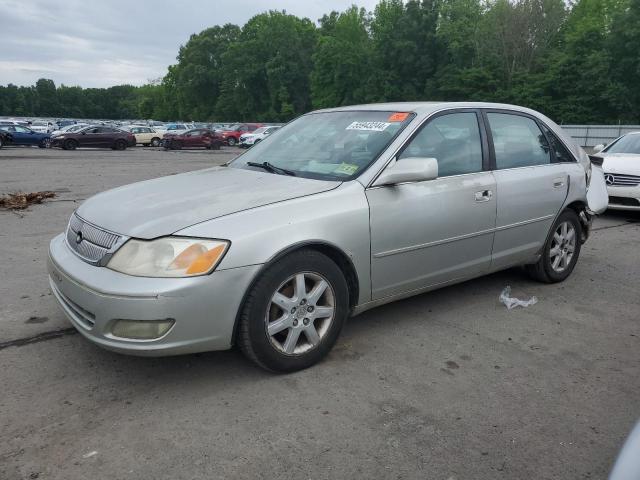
(445, 385)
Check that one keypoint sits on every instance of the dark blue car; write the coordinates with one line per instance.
(25, 136)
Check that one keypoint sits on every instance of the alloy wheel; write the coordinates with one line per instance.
(300, 313)
(563, 245)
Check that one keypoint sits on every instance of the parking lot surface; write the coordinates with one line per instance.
(445, 385)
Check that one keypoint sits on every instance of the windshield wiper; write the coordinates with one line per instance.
(269, 167)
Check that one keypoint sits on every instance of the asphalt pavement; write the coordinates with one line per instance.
(445, 385)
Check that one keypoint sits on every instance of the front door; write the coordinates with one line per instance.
(89, 137)
(531, 187)
(193, 138)
(429, 233)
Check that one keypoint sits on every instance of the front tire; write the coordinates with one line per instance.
(155, 142)
(44, 143)
(561, 252)
(70, 144)
(293, 314)
(120, 145)
(231, 141)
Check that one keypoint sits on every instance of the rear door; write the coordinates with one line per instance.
(18, 134)
(105, 137)
(530, 186)
(146, 134)
(429, 233)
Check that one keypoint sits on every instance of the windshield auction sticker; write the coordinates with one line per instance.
(368, 126)
(398, 117)
(347, 169)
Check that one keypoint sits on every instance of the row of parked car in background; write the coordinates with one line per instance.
(70, 134)
(621, 158)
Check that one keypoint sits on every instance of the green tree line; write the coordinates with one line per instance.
(578, 63)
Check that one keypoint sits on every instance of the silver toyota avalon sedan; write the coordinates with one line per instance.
(337, 212)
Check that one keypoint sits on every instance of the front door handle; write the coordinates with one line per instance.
(484, 196)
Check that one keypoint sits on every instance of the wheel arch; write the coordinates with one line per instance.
(342, 260)
(580, 208)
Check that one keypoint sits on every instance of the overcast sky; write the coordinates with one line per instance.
(99, 43)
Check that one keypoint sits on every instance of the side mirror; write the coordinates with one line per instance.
(412, 169)
(598, 148)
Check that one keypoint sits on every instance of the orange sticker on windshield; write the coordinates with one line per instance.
(398, 117)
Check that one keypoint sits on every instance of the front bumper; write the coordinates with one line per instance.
(624, 198)
(93, 298)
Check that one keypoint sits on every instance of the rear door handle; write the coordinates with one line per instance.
(558, 182)
(483, 196)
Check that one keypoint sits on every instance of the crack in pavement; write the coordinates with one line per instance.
(41, 337)
(625, 224)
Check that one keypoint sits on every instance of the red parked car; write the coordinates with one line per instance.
(232, 134)
(198, 137)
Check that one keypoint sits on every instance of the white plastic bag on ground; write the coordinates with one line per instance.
(511, 302)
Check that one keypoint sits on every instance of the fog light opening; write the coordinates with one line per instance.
(141, 329)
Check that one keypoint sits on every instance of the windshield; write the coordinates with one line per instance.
(627, 144)
(328, 146)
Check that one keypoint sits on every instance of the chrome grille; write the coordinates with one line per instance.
(619, 180)
(88, 241)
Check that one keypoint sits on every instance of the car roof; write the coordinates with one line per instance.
(426, 107)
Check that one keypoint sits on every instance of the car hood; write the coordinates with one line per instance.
(162, 206)
(626, 163)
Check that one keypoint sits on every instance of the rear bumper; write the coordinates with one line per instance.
(94, 298)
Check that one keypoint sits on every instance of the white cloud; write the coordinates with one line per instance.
(98, 43)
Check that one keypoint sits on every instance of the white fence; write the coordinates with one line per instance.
(592, 135)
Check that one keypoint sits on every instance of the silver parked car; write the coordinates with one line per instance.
(337, 212)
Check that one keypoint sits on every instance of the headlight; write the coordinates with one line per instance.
(168, 257)
(59, 137)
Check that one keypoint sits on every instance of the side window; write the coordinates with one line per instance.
(452, 139)
(518, 141)
(560, 152)
(21, 129)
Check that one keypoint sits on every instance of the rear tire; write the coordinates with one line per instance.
(155, 142)
(561, 252)
(231, 141)
(285, 326)
(70, 144)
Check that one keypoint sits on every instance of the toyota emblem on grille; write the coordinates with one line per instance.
(609, 179)
(79, 238)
